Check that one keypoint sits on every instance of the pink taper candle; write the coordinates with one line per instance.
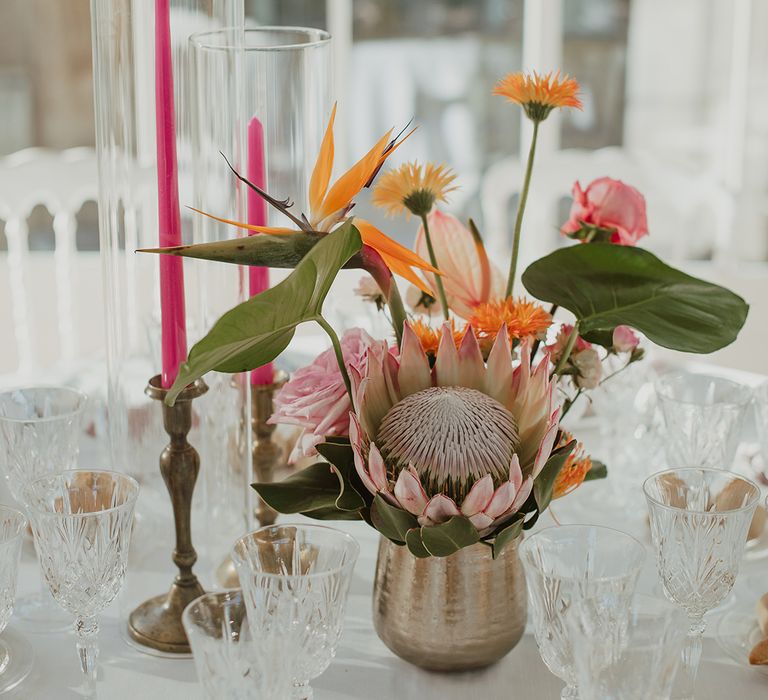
(174, 330)
(258, 277)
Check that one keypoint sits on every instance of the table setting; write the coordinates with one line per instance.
(497, 487)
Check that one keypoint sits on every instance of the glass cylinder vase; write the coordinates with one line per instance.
(123, 35)
(260, 104)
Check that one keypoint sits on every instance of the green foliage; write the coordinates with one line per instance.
(258, 330)
(607, 285)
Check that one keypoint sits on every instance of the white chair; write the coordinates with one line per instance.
(55, 314)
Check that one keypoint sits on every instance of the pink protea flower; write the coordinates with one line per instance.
(611, 205)
(464, 437)
(316, 399)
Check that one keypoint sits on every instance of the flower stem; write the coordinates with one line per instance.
(433, 260)
(339, 355)
(396, 310)
(567, 349)
(520, 210)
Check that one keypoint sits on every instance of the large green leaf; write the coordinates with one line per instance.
(607, 285)
(258, 330)
(338, 452)
(507, 534)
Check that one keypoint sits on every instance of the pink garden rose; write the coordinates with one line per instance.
(315, 397)
(624, 339)
(608, 204)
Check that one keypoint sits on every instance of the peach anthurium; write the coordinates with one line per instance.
(330, 204)
(462, 437)
(469, 278)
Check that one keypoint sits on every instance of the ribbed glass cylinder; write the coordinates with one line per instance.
(123, 33)
(274, 80)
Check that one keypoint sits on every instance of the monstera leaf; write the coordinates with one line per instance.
(258, 330)
(607, 285)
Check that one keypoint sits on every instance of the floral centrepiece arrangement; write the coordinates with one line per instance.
(448, 434)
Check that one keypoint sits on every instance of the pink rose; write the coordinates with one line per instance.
(607, 204)
(315, 397)
(624, 339)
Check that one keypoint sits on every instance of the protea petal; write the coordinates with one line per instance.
(376, 394)
(377, 469)
(414, 373)
(502, 500)
(481, 521)
(355, 439)
(522, 495)
(440, 509)
(478, 497)
(545, 448)
(447, 360)
(410, 493)
(471, 365)
(515, 472)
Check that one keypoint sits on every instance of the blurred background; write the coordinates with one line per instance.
(674, 103)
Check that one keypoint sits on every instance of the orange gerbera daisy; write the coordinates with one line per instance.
(329, 205)
(412, 190)
(429, 337)
(539, 94)
(574, 470)
(524, 319)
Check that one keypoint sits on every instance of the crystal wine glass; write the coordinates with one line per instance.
(699, 524)
(231, 661)
(12, 527)
(82, 523)
(39, 434)
(637, 656)
(703, 417)
(570, 563)
(295, 579)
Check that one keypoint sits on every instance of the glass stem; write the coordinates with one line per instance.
(87, 629)
(301, 691)
(686, 676)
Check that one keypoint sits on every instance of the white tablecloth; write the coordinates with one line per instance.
(364, 668)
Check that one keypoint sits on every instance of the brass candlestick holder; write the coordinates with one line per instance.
(156, 623)
(265, 457)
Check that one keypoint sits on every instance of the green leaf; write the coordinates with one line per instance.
(602, 338)
(314, 488)
(415, 545)
(339, 453)
(333, 514)
(443, 540)
(507, 535)
(607, 285)
(597, 471)
(264, 250)
(258, 330)
(390, 521)
(545, 481)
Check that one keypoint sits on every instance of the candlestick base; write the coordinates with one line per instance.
(156, 623)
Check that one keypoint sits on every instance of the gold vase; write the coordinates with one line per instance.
(455, 613)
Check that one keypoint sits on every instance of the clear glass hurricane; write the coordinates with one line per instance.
(565, 565)
(40, 431)
(82, 524)
(635, 658)
(231, 661)
(699, 523)
(703, 418)
(12, 527)
(295, 579)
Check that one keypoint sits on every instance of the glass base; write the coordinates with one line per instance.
(41, 614)
(19, 662)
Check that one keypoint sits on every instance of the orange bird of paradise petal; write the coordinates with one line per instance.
(329, 204)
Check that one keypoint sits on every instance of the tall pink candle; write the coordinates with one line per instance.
(174, 330)
(258, 277)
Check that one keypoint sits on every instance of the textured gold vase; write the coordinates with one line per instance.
(454, 613)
